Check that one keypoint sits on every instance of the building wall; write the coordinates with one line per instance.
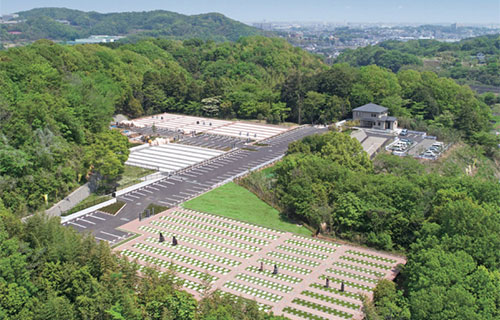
(361, 114)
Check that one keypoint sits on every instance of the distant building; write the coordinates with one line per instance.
(96, 39)
(66, 22)
(481, 58)
(374, 116)
(7, 17)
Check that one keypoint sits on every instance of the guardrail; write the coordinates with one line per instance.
(161, 175)
(87, 211)
(241, 174)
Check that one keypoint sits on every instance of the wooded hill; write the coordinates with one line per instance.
(42, 23)
(474, 61)
(58, 100)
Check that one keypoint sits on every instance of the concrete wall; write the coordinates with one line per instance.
(70, 201)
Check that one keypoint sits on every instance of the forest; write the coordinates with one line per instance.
(45, 23)
(474, 61)
(446, 224)
(48, 271)
(58, 100)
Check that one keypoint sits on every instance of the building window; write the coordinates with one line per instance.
(374, 115)
(378, 123)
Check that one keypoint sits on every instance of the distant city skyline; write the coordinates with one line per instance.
(358, 11)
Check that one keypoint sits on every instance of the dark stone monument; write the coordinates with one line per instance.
(261, 266)
(162, 238)
(174, 241)
(342, 287)
(327, 285)
(275, 271)
(140, 216)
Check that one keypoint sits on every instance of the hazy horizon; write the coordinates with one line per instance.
(361, 11)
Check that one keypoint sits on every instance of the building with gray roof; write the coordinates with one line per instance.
(373, 116)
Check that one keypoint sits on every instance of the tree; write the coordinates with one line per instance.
(211, 106)
(337, 80)
(106, 157)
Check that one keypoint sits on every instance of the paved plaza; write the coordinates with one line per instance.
(228, 254)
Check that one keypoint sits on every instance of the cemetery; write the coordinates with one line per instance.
(170, 157)
(289, 274)
(188, 125)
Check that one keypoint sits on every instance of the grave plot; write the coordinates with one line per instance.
(189, 124)
(176, 122)
(246, 130)
(284, 273)
(170, 157)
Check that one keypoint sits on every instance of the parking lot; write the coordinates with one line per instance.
(178, 188)
(214, 141)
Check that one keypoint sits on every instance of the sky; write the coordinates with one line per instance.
(389, 11)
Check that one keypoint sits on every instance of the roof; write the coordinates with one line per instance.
(371, 107)
(379, 119)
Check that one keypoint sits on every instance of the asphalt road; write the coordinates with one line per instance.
(178, 188)
(214, 141)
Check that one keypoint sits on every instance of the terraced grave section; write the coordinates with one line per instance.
(170, 157)
(283, 272)
(189, 124)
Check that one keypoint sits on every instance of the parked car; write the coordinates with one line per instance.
(430, 153)
(404, 132)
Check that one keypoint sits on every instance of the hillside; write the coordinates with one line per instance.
(473, 61)
(51, 23)
(57, 101)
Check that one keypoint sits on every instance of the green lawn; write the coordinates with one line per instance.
(131, 176)
(236, 202)
(88, 202)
